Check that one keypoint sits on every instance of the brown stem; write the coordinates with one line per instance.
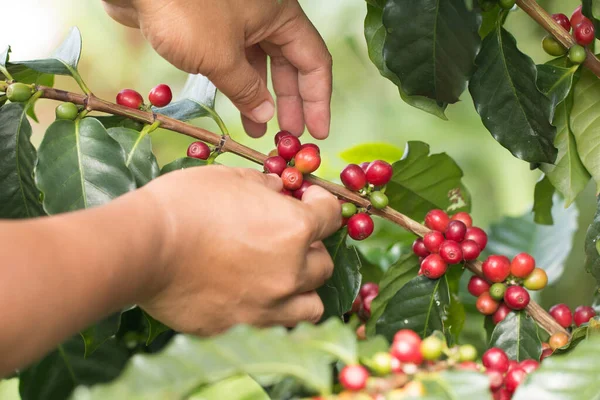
(542, 17)
(226, 144)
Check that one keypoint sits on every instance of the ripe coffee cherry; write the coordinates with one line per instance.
(379, 173)
(307, 160)
(378, 200)
(68, 111)
(130, 98)
(407, 348)
(360, 226)
(562, 314)
(496, 380)
(354, 377)
(516, 297)
(437, 220)
(275, 165)
(478, 236)
(456, 231)
(433, 266)
(160, 95)
(463, 217)
(558, 340)
(507, 4)
(432, 348)
(496, 268)
(497, 291)
(514, 378)
(280, 136)
(584, 32)
(537, 280)
(365, 307)
(563, 21)
(522, 265)
(577, 17)
(364, 166)
(583, 314)
(577, 54)
(529, 365)
(292, 178)
(433, 240)
(501, 313)
(406, 335)
(546, 353)
(486, 305)
(553, 46)
(298, 193)
(467, 352)
(356, 305)
(495, 359)
(419, 248)
(477, 286)
(348, 210)
(353, 177)
(470, 250)
(451, 252)
(286, 192)
(310, 146)
(369, 288)
(199, 150)
(288, 146)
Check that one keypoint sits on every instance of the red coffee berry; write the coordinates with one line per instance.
(495, 359)
(368, 289)
(292, 178)
(451, 252)
(456, 231)
(496, 379)
(558, 340)
(437, 220)
(502, 394)
(379, 173)
(496, 268)
(584, 32)
(478, 236)
(353, 177)
(275, 165)
(286, 192)
(307, 160)
(522, 265)
(364, 166)
(583, 314)
(419, 248)
(562, 314)
(160, 95)
(514, 378)
(463, 217)
(563, 21)
(486, 305)
(198, 150)
(477, 286)
(354, 377)
(298, 193)
(288, 146)
(130, 98)
(365, 308)
(433, 266)
(501, 313)
(546, 353)
(470, 250)
(356, 305)
(512, 364)
(516, 297)
(407, 348)
(360, 226)
(406, 335)
(433, 240)
(529, 365)
(577, 17)
(280, 135)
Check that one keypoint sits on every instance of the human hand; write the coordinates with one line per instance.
(229, 40)
(241, 253)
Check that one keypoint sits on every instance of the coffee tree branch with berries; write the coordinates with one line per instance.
(385, 334)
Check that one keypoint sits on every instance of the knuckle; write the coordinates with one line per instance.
(316, 312)
(249, 91)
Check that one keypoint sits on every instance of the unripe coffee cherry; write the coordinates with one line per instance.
(275, 165)
(514, 378)
(378, 200)
(507, 4)
(288, 146)
(433, 240)
(353, 177)
(496, 268)
(381, 363)
(354, 377)
(537, 280)
(292, 178)
(433, 266)
(558, 340)
(348, 210)
(577, 54)
(522, 265)
(307, 160)
(563, 21)
(19, 92)
(584, 32)
(68, 111)
(477, 286)
(463, 217)
(360, 226)
(406, 347)
(451, 252)
(495, 359)
(419, 248)
(501, 313)
(298, 193)
(470, 250)
(486, 305)
(467, 352)
(198, 150)
(368, 289)
(432, 348)
(553, 46)
(437, 220)
(456, 231)
(497, 291)
(130, 98)
(160, 95)
(280, 135)
(379, 173)
(478, 236)
(583, 314)
(516, 297)
(562, 314)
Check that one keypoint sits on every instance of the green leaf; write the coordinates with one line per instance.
(81, 166)
(591, 9)
(375, 35)
(455, 384)
(555, 82)
(506, 97)
(420, 305)
(542, 202)
(236, 388)
(592, 255)
(182, 163)
(573, 376)
(268, 354)
(394, 279)
(549, 245)
(339, 292)
(197, 100)
(138, 154)
(57, 374)
(368, 348)
(368, 152)
(441, 37)
(490, 19)
(99, 333)
(577, 335)
(155, 328)
(456, 315)
(19, 197)
(422, 182)
(517, 336)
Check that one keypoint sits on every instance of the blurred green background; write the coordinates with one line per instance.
(366, 107)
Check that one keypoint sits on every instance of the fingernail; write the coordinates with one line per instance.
(264, 112)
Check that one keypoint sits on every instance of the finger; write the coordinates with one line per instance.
(258, 60)
(303, 307)
(325, 210)
(319, 267)
(271, 181)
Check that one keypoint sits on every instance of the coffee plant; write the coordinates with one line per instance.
(394, 324)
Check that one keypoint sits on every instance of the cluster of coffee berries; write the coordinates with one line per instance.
(362, 304)
(566, 318)
(501, 288)
(451, 241)
(505, 375)
(159, 96)
(583, 33)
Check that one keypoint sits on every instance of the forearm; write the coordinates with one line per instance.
(61, 274)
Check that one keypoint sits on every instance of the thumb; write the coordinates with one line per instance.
(271, 181)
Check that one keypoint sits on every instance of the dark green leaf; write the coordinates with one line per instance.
(98, 334)
(542, 202)
(138, 154)
(490, 19)
(422, 182)
(155, 327)
(81, 166)
(592, 254)
(455, 384)
(235, 388)
(372, 151)
(510, 105)
(431, 45)
(182, 163)
(117, 121)
(517, 336)
(197, 100)
(578, 334)
(591, 9)
(19, 197)
(555, 82)
(456, 316)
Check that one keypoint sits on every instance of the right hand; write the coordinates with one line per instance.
(237, 251)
